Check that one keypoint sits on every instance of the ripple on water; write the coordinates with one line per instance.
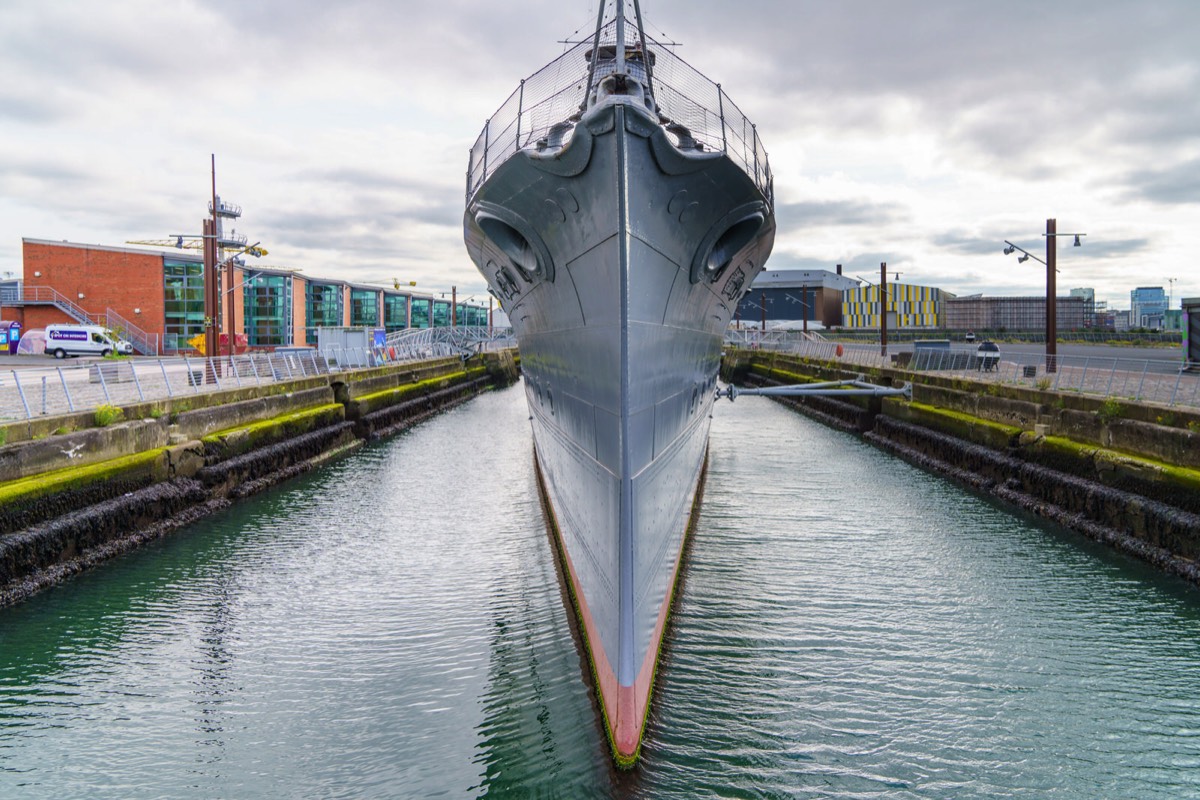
(392, 626)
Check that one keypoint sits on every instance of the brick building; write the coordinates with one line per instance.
(156, 299)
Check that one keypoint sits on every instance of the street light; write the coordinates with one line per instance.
(1051, 235)
(763, 309)
(807, 309)
(882, 306)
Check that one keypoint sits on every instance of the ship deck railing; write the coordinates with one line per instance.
(557, 92)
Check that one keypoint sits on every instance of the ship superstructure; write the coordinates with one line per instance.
(619, 205)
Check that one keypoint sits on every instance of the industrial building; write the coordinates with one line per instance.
(980, 313)
(795, 295)
(908, 306)
(156, 299)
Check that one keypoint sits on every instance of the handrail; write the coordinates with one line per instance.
(47, 294)
(553, 96)
(145, 343)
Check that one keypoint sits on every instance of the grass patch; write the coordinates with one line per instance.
(107, 414)
(1110, 410)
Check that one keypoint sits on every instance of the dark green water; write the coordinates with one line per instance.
(392, 626)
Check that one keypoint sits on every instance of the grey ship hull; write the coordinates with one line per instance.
(603, 256)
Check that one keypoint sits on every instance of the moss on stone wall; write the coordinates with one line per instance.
(243, 438)
(150, 463)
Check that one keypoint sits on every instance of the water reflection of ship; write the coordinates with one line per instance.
(619, 214)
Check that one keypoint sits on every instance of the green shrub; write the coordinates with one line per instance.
(1167, 419)
(1110, 409)
(1193, 426)
(61, 430)
(1043, 384)
(107, 415)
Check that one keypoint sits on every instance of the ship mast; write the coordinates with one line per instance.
(617, 61)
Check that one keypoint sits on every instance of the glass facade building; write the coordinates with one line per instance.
(441, 313)
(420, 312)
(183, 293)
(364, 308)
(323, 302)
(472, 315)
(395, 312)
(1147, 306)
(268, 310)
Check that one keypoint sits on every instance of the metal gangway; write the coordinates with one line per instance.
(462, 340)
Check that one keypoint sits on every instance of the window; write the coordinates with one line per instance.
(183, 295)
(420, 312)
(268, 312)
(324, 305)
(441, 313)
(364, 308)
(395, 312)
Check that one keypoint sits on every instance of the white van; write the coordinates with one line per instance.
(83, 340)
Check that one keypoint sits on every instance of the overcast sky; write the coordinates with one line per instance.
(922, 134)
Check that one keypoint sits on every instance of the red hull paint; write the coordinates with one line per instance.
(625, 707)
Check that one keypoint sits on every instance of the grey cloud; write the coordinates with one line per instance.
(970, 244)
(1179, 183)
(820, 214)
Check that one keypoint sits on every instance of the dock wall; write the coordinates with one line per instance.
(1123, 473)
(80, 488)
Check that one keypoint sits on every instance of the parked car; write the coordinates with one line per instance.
(989, 356)
(83, 340)
(970, 337)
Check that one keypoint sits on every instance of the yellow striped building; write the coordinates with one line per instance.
(908, 305)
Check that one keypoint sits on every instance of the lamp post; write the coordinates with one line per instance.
(1050, 263)
(883, 309)
(805, 308)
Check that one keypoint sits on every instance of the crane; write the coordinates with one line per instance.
(187, 242)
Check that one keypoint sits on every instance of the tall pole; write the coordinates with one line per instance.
(1051, 295)
(216, 350)
(211, 298)
(804, 308)
(883, 308)
(762, 306)
(453, 306)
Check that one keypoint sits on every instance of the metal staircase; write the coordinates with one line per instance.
(47, 296)
(143, 342)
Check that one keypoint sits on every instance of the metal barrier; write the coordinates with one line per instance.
(459, 340)
(31, 392)
(553, 97)
(1168, 383)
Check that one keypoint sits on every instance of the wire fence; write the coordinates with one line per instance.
(1165, 382)
(34, 391)
(1118, 338)
(548, 103)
